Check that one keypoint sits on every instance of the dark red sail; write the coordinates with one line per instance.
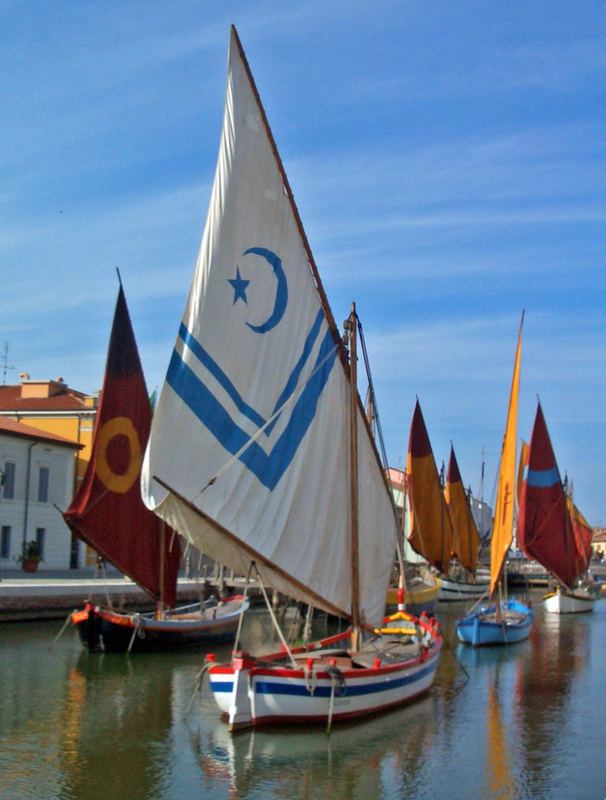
(545, 527)
(107, 511)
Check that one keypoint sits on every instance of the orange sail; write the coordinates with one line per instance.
(502, 526)
(466, 537)
(522, 468)
(432, 532)
(583, 532)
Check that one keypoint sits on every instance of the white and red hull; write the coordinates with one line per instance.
(575, 601)
(326, 688)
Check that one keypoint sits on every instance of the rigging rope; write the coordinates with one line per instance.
(62, 631)
(273, 617)
(383, 451)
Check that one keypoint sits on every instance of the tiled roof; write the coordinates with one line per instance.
(65, 400)
(14, 428)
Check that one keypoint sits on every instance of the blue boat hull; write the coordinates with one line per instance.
(481, 628)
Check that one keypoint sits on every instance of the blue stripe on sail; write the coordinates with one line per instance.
(294, 375)
(543, 478)
(215, 370)
(268, 468)
(277, 687)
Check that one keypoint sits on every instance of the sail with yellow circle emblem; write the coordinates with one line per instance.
(107, 511)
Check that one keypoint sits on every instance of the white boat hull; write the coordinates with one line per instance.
(255, 693)
(577, 601)
(460, 591)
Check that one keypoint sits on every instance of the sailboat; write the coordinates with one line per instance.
(551, 529)
(505, 620)
(465, 581)
(434, 535)
(259, 445)
(422, 585)
(108, 513)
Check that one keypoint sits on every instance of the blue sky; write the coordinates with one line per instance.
(448, 161)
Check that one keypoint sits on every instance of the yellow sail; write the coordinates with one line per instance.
(432, 532)
(466, 540)
(502, 526)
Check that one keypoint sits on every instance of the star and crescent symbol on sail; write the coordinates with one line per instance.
(240, 285)
(215, 399)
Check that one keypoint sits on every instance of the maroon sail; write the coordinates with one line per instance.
(107, 511)
(545, 526)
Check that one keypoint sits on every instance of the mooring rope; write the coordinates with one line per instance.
(62, 631)
(136, 629)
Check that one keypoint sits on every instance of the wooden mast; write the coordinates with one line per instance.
(353, 494)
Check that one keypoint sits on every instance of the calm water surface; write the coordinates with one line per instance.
(519, 722)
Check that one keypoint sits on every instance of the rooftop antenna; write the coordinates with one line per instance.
(481, 492)
(5, 365)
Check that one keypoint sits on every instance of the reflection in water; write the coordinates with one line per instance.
(81, 726)
(501, 779)
(108, 706)
(543, 687)
(355, 761)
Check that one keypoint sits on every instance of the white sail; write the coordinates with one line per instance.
(251, 428)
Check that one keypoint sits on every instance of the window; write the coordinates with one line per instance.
(40, 536)
(43, 478)
(8, 481)
(5, 541)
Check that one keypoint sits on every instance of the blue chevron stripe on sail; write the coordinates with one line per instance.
(215, 370)
(268, 467)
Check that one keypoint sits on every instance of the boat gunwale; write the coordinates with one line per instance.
(263, 666)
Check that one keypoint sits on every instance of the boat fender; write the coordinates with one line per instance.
(337, 678)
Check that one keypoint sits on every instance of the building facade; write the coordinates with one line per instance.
(54, 407)
(37, 470)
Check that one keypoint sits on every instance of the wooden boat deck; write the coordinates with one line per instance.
(389, 650)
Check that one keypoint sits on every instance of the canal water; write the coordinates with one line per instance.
(526, 721)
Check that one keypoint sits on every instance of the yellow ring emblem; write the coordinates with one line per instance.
(115, 482)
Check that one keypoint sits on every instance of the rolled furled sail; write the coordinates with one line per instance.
(466, 537)
(502, 526)
(248, 456)
(546, 531)
(432, 534)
